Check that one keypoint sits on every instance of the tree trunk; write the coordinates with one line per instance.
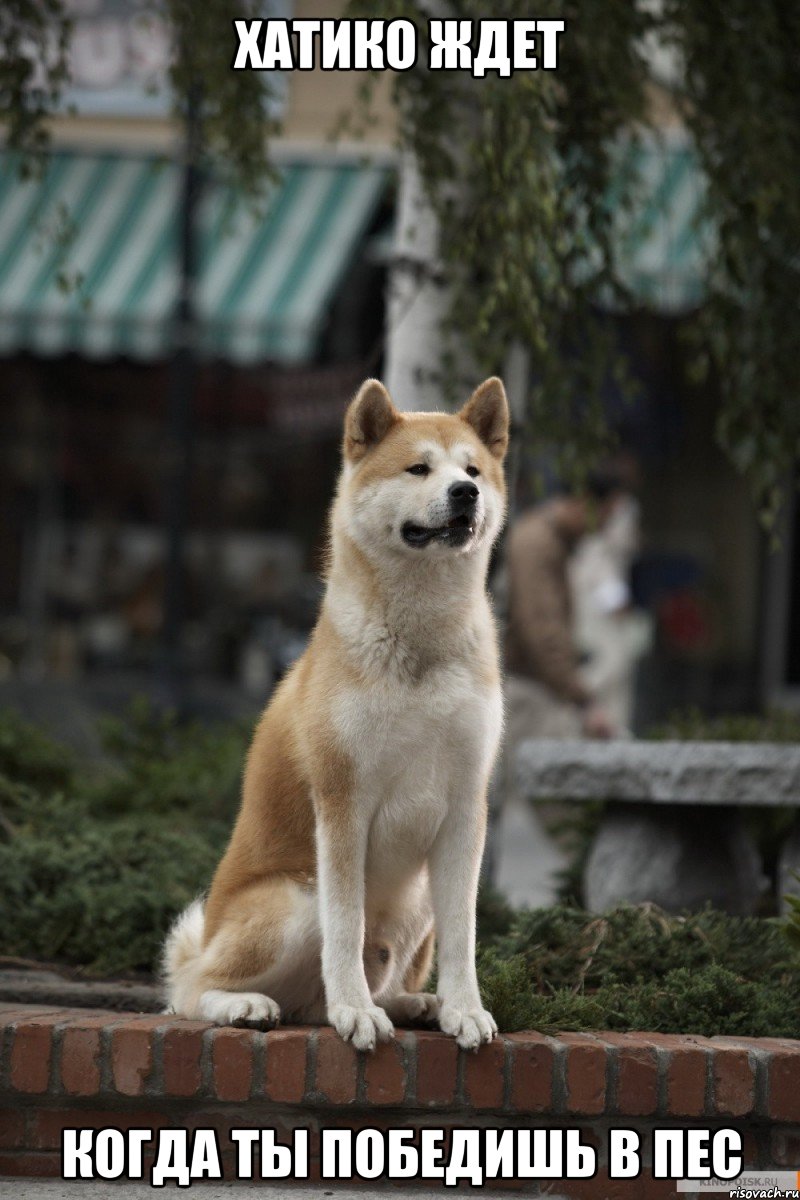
(417, 301)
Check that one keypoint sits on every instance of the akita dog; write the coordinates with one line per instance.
(363, 814)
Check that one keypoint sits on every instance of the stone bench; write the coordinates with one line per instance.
(672, 831)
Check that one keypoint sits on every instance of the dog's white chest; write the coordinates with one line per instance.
(416, 751)
(392, 731)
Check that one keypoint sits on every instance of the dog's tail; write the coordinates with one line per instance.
(180, 959)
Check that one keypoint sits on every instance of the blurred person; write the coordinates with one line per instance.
(547, 695)
(611, 634)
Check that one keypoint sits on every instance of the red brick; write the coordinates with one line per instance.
(98, 1017)
(219, 1119)
(437, 1062)
(787, 1045)
(80, 1061)
(31, 1054)
(585, 1074)
(385, 1073)
(784, 1085)
(10, 1014)
(22, 1164)
(724, 1042)
(47, 1124)
(229, 1164)
(337, 1068)
(532, 1062)
(232, 1063)
(12, 1128)
(250, 1116)
(483, 1075)
(151, 1022)
(750, 1149)
(603, 1188)
(286, 1065)
(637, 1073)
(686, 1083)
(686, 1072)
(132, 1056)
(182, 1049)
(315, 1173)
(734, 1083)
(785, 1147)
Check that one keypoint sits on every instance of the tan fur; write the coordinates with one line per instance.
(417, 974)
(304, 772)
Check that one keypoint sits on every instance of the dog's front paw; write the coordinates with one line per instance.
(469, 1026)
(361, 1026)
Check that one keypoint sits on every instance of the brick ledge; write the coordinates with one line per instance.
(62, 1067)
(85, 1053)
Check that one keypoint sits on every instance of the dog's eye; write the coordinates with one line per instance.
(419, 469)
(472, 471)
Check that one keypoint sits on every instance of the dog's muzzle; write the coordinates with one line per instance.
(462, 498)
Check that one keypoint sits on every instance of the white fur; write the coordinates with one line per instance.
(239, 1008)
(185, 942)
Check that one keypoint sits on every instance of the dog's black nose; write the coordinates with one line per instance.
(462, 494)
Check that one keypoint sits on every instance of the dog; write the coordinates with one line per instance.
(363, 812)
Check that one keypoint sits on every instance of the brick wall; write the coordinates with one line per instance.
(78, 1067)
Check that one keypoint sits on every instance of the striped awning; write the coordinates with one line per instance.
(663, 245)
(89, 257)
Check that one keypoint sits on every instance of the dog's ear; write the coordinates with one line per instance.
(369, 418)
(487, 412)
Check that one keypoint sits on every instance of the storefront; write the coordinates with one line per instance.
(288, 316)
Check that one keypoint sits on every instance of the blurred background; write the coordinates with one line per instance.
(175, 359)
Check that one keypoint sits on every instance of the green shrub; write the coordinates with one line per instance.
(710, 1002)
(100, 894)
(691, 725)
(567, 947)
(95, 863)
(637, 968)
(30, 756)
(158, 764)
(792, 923)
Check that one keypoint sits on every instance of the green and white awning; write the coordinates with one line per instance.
(88, 257)
(662, 244)
(88, 252)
